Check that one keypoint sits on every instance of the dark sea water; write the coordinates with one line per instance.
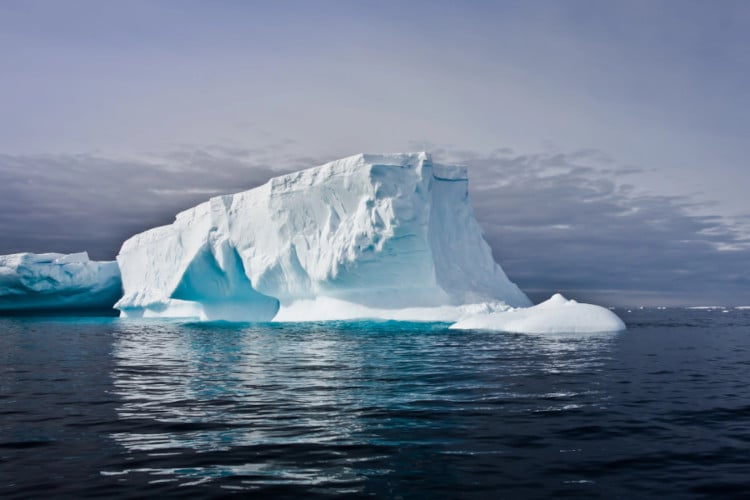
(115, 408)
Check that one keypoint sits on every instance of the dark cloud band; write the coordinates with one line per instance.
(563, 222)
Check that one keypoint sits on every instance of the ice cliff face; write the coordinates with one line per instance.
(57, 281)
(391, 231)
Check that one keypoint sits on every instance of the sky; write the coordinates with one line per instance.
(607, 142)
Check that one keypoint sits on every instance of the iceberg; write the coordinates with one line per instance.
(555, 315)
(56, 281)
(391, 236)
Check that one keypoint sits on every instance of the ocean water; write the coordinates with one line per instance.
(106, 407)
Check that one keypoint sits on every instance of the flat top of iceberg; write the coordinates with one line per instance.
(16, 259)
(315, 175)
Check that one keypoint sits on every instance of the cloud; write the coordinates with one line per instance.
(556, 221)
(68, 203)
(570, 222)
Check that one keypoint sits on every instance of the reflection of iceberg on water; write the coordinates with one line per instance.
(196, 393)
(326, 403)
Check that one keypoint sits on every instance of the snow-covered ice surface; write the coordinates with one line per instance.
(555, 315)
(392, 236)
(31, 281)
(326, 308)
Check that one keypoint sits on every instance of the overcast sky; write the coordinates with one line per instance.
(607, 141)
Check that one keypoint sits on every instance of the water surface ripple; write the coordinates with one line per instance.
(105, 407)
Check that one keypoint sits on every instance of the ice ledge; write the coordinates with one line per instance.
(555, 315)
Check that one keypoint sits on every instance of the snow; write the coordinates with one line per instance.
(391, 235)
(326, 309)
(31, 281)
(555, 315)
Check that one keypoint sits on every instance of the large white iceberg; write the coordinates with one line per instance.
(31, 281)
(555, 315)
(368, 235)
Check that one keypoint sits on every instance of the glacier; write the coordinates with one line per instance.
(389, 236)
(555, 315)
(57, 281)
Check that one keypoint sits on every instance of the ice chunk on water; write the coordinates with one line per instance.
(555, 315)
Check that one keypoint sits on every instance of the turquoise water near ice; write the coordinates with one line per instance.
(121, 408)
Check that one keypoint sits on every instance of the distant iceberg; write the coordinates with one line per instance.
(373, 234)
(555, 315)
(57, 281)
